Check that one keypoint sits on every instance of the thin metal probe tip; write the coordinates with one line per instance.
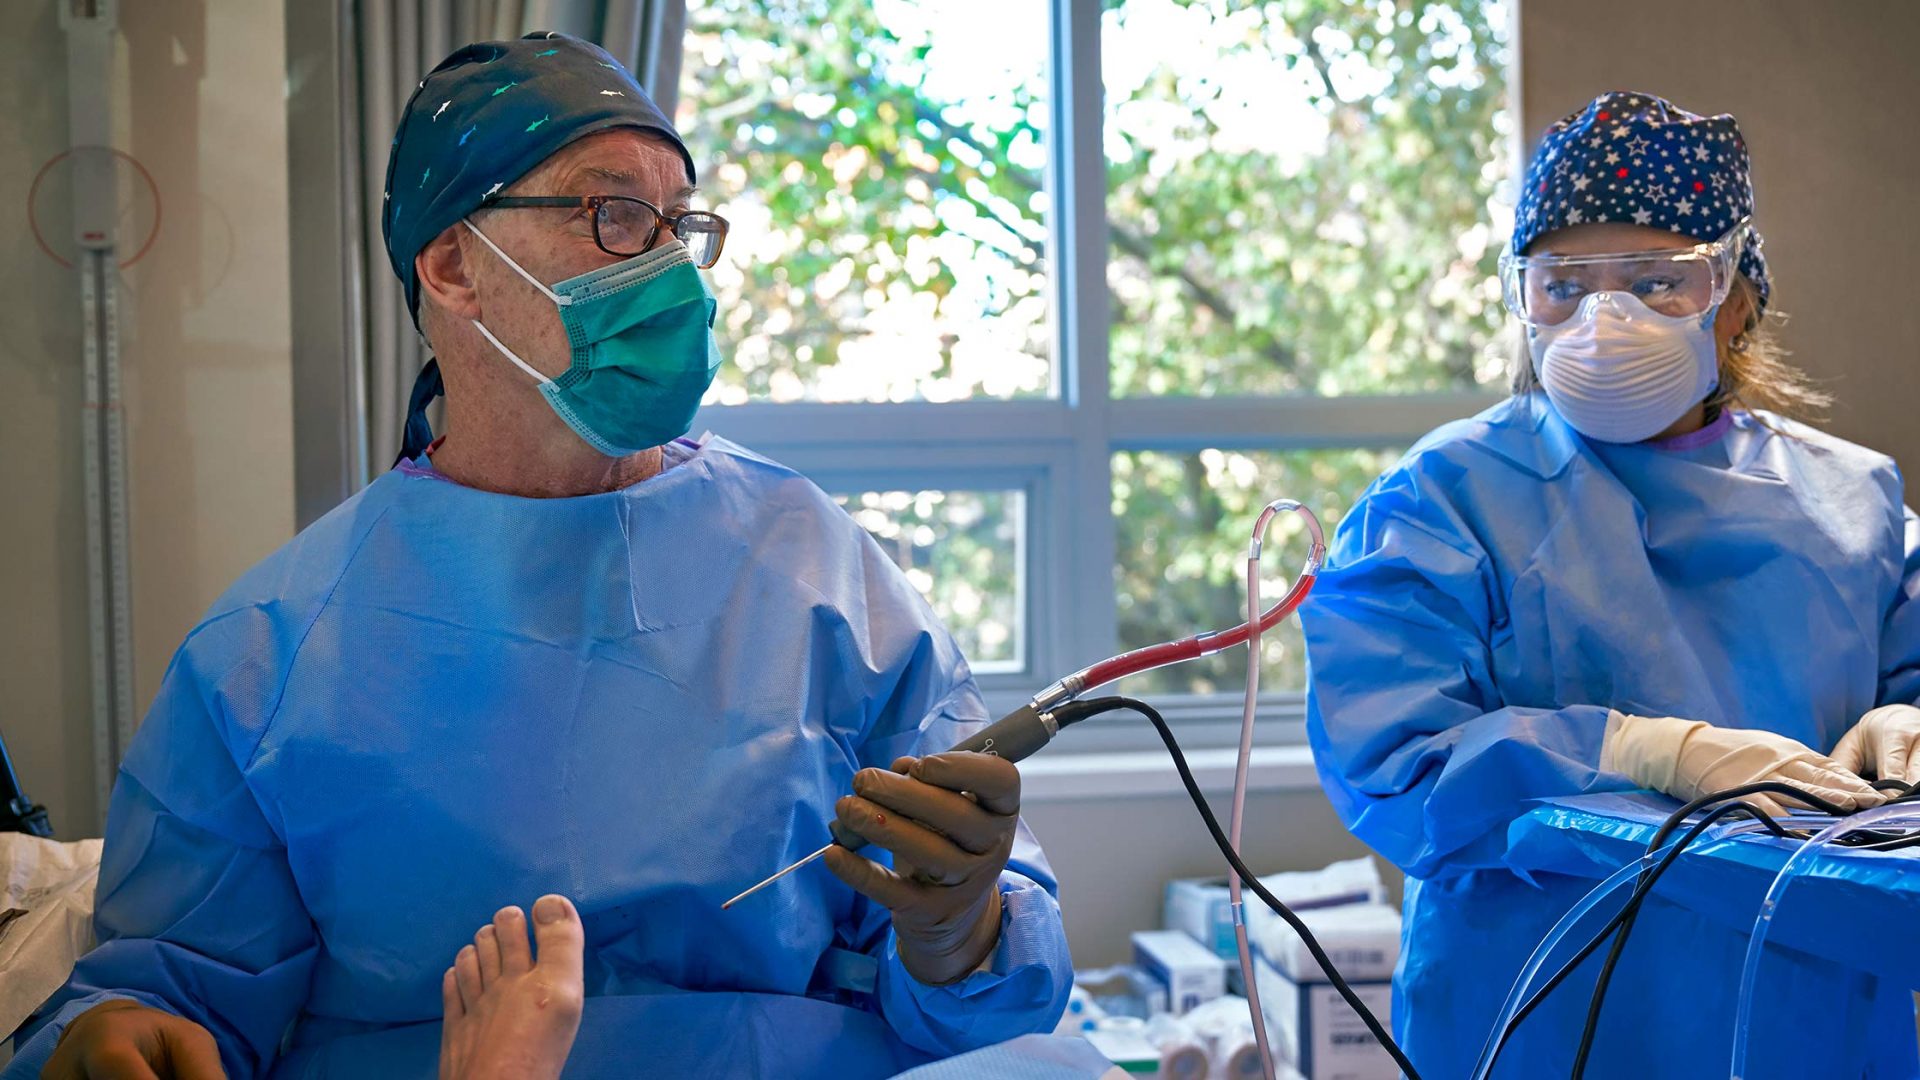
(774, 878)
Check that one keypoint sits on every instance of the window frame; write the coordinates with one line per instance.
(1060, 449)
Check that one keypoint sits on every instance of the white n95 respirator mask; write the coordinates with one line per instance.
(1620, 372)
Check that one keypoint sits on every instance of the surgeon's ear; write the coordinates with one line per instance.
(446, 274)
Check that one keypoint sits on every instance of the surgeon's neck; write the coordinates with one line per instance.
(1694, 420)
(514, 449)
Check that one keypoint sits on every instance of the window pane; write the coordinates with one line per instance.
(1183, 523)
(1305, 198)
(880, 162)
(965, 552)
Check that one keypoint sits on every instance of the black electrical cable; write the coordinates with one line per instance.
(1598, 998)
(1631, 913)
(1644, 886)
(1886, 839)
(1647, 879)
(1624, 919)
(1764, 787)
(1896, 844)
(1908, 792)
(1867, 838)
(1096, 706)
(1605, 979)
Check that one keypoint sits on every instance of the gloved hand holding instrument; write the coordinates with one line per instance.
(953, 815)
(949, 820)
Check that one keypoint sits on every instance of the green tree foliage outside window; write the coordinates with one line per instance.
(962, 550)
(1183, 534)
(1304, 197)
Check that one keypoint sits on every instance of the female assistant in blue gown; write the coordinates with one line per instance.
(1627, 575)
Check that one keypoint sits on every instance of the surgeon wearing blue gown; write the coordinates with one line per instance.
(564, 649)
(1636, 572)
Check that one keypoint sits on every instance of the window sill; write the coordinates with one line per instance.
(1149, 773)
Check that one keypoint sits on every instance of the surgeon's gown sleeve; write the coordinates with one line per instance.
(1023, 986)
(197, 912)
(1419, 753)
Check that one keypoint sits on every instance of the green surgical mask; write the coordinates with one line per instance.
(643, 349)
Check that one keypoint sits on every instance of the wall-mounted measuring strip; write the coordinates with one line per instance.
(90, 27)
(109, 583)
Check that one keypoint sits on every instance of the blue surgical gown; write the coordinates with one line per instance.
(438, 700)
(1493, 595)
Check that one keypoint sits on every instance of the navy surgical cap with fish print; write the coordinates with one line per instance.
(485, 117)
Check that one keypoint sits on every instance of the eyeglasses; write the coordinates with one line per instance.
(1545, 290)
(626, 226)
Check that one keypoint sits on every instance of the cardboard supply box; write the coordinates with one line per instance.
(1308, 1021)
(1200, 906)
(1193, 975)
(1127, 1049)
(1362, 940)
(1313, 1027)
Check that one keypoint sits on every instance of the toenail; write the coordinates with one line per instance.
(548, 914)
(487, 930)
(879, 819)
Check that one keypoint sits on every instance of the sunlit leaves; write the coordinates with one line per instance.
(1304, 196)
(962, 550)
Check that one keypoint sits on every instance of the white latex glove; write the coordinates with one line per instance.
(1690, 758)
(1884, 745)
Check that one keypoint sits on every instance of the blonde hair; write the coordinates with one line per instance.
(1754, 372)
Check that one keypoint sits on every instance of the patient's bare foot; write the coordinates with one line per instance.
(507, 1014)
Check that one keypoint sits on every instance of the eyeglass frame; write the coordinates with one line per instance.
(1724, 252)
(595, 202)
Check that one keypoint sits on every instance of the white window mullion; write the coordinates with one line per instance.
(1084, 553)
(1185, 425)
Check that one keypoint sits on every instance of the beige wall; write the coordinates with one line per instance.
(1825, 93)
(198, 99)
(43, 630)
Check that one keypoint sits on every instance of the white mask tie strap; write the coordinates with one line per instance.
(563, 301)
(508, 353)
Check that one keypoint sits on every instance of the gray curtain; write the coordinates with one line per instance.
(399, 41)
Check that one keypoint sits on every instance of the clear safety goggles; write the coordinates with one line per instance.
(1545, 290)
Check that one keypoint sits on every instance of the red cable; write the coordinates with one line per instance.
(1191, 648)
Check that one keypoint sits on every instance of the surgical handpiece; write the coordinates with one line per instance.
(1014, 737)
(1033, 725)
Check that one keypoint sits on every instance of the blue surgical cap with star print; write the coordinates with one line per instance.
(485, 117)
(1639, 159)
